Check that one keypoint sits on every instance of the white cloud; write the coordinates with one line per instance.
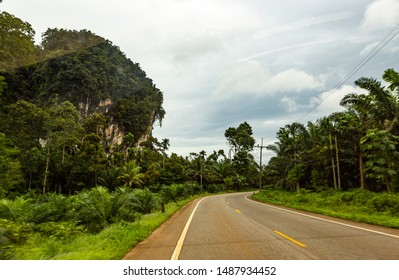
(289, 104)
(367, 49)
(381, 14)
(286, 48)
(252, 79)
(190, 48)
(328, 101)
(302, 24)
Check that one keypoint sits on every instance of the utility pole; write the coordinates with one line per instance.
(260, 162)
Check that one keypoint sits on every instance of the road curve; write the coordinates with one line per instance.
(233, 227)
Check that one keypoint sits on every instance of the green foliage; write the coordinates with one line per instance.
(93, 209)
(358, 205)
(240, 138)
(380, 147)
(147, 201)
(295, 175)
(10, 167)
(51, 208)
(16, 210)
(45, 239)
(130, 175)
(17, 42)
(345, 150)
(14, 231)
(59, 230)
(173, 192)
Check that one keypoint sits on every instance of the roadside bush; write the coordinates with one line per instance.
(147, 201)
(59, 230)
(14, 231)
(125, 205)
(92, 209)
(362, 197)
(347, 197)
(385, 203)
(173, 193)
(215, 188)
(18, 209)
(51, 208)
(192, 189)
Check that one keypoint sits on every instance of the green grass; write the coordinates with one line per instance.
(112, 243)
(361, 206)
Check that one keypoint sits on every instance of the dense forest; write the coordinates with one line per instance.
(356, 148)
(77, 153)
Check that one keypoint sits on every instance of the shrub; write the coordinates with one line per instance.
(147, 201)
(215, 188)
(93, 208)
(125, 205)
(18, 209)
(385, 203)
(59, 230)
(52, 208)
(14, 231)
(347, 197)
(173, 193)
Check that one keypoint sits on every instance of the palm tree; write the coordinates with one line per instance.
(380, 105)
(378, 109)
(130, 175)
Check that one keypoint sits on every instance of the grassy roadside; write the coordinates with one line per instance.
(110, 244)
(361, 206)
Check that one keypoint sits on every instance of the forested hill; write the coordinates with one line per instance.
(95, 76)
(71, 109)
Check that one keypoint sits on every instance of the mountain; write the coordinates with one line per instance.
(96, 77)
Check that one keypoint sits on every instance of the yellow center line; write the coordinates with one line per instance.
(238, 211)
(290, 239)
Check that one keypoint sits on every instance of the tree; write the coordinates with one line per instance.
(241, 141)
(130, 175)
(88, 161)
(23, 124)
(17, 47)
(63, 129)
(240, 138)
(377, 109)
(197, 168)
(10, 168)
(295, 175)
(3, 85)
(380, 147)
(381, 105)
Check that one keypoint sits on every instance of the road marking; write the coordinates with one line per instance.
(290, 239)
(179, 245)
(238, 211)
(321, 219)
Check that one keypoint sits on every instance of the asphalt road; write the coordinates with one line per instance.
(232, 227)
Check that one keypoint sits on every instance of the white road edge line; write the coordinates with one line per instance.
(179, 245)
(321, 219)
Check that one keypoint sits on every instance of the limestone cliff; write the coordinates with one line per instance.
(96, 77)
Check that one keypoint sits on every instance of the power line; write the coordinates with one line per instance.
(363, 62)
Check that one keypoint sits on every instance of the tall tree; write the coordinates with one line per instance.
(240, 138)
(10, 168)
(380, 147)
(63, 129)
(17, 46)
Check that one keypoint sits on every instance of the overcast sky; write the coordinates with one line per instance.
(222, 62)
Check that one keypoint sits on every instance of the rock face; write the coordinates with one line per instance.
(95, 76)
